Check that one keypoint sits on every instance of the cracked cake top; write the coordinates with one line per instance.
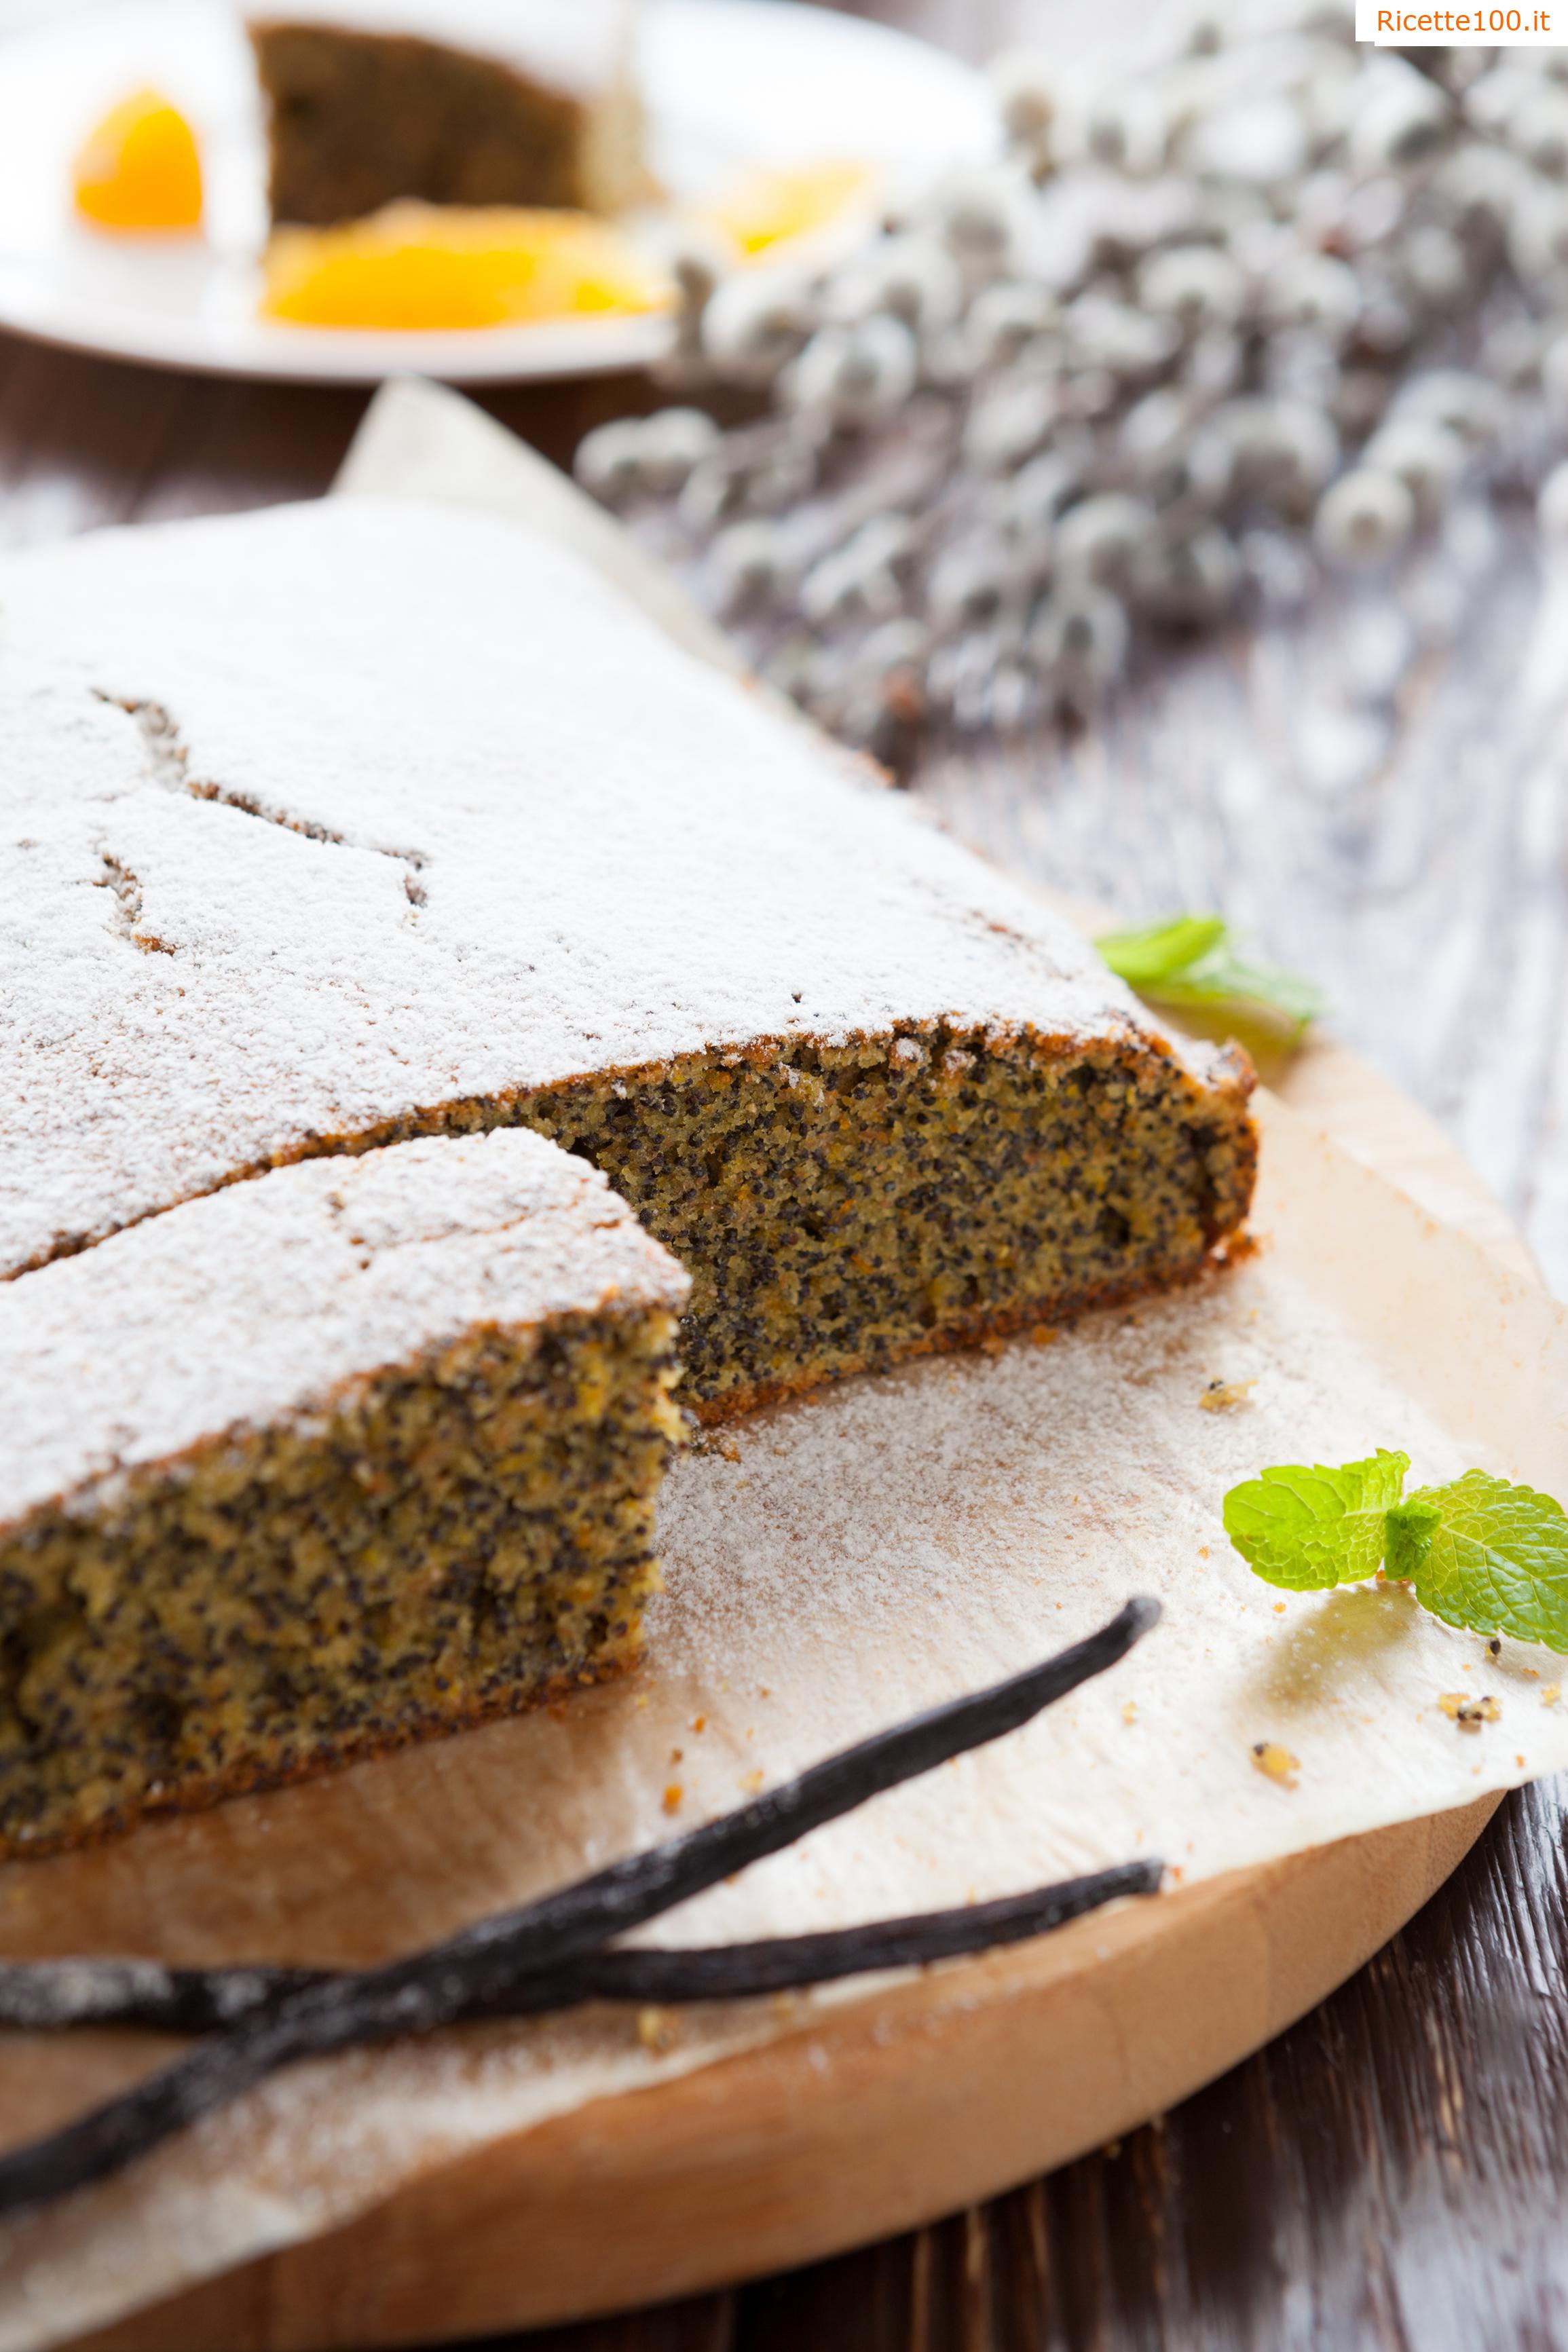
(326, 817)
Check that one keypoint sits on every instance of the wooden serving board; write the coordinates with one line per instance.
(943, 2092)
(958, 2087)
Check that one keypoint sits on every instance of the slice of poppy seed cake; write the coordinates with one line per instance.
(338, 824)
(365, 1450)
(527, 102)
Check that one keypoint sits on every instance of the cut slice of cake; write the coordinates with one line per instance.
(345, 823)
(361, 1451)
(479, 102)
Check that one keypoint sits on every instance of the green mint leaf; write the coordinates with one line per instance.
(1224, 977)
(1496, 1560)
(1190, 960)
(1308, 1529)
(1161, 950)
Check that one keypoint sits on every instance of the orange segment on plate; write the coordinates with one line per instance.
(138, 167)
(424, 265)
(767, 206)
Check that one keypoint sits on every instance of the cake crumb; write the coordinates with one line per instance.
(1468, 1712)
(657, 2030)
(699, 1723)
(1130, 1712)
(1280, 1609)
(1550, 1694)
(751, 1782)
(1275, 1762)
(1203, 1552)
(672, 1797)
(1223, 1396)
(678, 1755)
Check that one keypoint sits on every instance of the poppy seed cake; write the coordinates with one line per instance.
(361, 1451)
(346, 822)
(452, 101)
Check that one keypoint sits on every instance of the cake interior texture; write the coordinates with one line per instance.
(445, 1540)
(359, 119)
(840, 1207)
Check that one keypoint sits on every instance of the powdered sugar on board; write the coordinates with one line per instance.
(831, 1565)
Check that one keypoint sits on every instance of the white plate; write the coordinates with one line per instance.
(729, 84)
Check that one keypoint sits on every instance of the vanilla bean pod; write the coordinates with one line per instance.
(486, 1961)
(787, 1963)
(55, 1994)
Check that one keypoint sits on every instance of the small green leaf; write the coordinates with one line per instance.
(1308, 1529)
(1224, 977)
(1161, 950)
(1190, 961)
(1497, 1560)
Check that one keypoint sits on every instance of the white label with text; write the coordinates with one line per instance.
(1487, 27)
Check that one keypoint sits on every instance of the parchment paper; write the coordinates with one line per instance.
(832, 1565)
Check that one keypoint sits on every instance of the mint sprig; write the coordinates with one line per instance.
(1308, 1529)
(1480, 1553)
(1192, 961)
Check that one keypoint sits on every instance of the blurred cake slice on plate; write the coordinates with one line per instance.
(473, 102)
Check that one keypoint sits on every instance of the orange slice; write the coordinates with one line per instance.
(766, 207)
(137, 168)
(426, 266)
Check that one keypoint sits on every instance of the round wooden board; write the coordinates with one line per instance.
(894, 2110)
(939, 2094)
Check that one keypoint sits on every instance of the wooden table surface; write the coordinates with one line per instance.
(1393, 2172)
